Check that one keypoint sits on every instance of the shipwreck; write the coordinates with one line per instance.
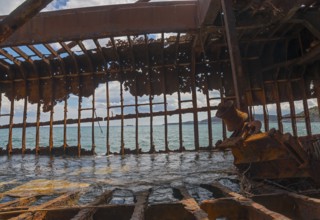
(250, 56)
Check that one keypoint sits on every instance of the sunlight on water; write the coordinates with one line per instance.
(94, 174)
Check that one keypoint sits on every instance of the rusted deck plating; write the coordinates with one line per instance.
(225, 204)
(259, 53)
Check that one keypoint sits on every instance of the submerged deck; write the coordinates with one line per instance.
(152, 204)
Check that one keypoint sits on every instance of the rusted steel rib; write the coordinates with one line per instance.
(87, 213)
(9, 146)
(65, 199)
(290, 204)
(238, 75)
(20, 16)
(18, 202)
(140, 206)
(236, 206)
(116, 117)
(191, 205)
(103, 21)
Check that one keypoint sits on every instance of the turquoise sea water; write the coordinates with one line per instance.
(159, 172)
(129, 136)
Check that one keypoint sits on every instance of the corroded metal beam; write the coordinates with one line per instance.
(88, 213)
(238, 74)
(103, 21)
(20, 16)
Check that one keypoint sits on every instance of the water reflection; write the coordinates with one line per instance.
(131, 172)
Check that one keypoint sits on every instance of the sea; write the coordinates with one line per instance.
(130, 136)
(25, 175)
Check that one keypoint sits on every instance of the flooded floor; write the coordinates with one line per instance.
(161, 173)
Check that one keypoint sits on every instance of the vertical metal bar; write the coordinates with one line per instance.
(165, 112)
(265, 116)
(9, 146)
(234, 53)
(65, 124)
(292, 109)
(209, 113)
(51, 127)
(279, 112)
(79, 122)
(224, 131)
(180, 121)
(265, 109)
(164, 85)
(99, 48)
(194, 101)
(137, 117)
(152, 146)
(122, 119)
(250, 112)
(304, 95)
(108, 116)
(85, 51)
(93, 146)
(38, 127)
(317, 88)
(136, 96)
(24, 123)
(305, 107)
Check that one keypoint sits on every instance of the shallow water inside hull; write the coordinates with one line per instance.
(130, 173)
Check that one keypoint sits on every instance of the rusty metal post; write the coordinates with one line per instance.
(317, 86)
(24, 123)
(265, 117)
(279, 113)
(9, 146)
(194, 101)
(51, 113)
(38, 128)
(305, 107)
(238, 75)
(137, 117)
(224, 131)
(93, 146)
(65, 124)
(292, 108)
(20, 16)
(209, 113)
(122, 119)
(51, 127)
(152, 146)
(79, 122)
(180, 121)
(164, 86)
(165, 113)
(108, 116)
